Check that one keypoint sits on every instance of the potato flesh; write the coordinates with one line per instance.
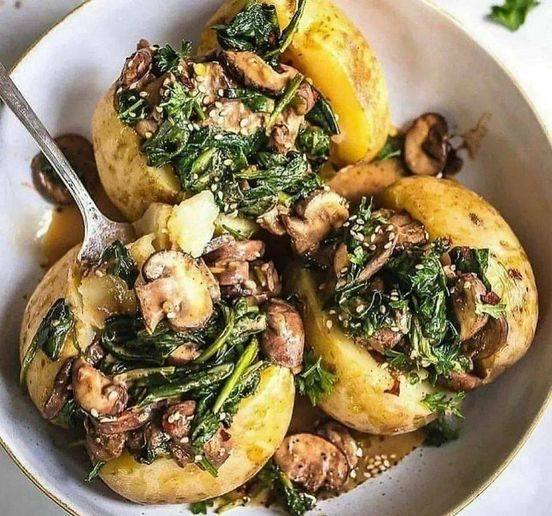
(257, 430)
(448, 209)
(129, 182)
(327, 40)
(358, 399)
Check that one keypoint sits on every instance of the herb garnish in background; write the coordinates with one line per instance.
(315, 380)
(512, 13)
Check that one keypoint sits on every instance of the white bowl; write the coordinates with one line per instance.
(431, 65)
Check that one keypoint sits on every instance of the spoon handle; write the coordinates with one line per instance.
(13, 98)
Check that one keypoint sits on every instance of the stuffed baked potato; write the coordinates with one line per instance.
(430, 292)
(256, 102)
(155, 353)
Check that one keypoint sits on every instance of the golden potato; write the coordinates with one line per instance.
(129, 182)
(257, 430)
(327, 40)
(449, 209)
(359, 398)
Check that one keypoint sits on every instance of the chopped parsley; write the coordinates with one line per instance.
(512, 13)
(315, 381)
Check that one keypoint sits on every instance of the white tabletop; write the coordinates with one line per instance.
(524, 488)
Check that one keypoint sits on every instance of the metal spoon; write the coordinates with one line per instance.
(99, 231)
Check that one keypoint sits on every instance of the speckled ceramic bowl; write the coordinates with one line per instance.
(431, 64)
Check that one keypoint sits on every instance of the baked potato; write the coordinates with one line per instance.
(441, 249)
(130, 183)
(102, 299)
(448, 209)
(362, 396)
(327, 40)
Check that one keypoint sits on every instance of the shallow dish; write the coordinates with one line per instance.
(431, 65)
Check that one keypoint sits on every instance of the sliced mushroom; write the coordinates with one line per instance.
(426, 145)
(130, 419)
(60, 392)
(262, 284)
(468, 291)
(103, 447)
(95, 353)
(177, 420)
(409, 231)
(95, 392)
(312, 462)
(146, 128)
(217, 242)
(176, 289)
(135, 440)
(253, 71)
(283, 341)
(211, 77)
(285, 131)
(137, 68)
(181, 453)
(210, 280)
(231, 272)
(80, 154)
(314, 218)
(463, 382)
(382, 340)
(305, 98)
(183, 354)
(486, 343)
(236, 250)
(340, 436)
(341, 260)
(271, 220)
(218, 448)
(157, 442)
(235, 117)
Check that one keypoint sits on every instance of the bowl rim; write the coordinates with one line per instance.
(468, 499)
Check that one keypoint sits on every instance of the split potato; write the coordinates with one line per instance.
(361, 397)
(131, 184)
(257, 430)
(448, 209)
(327, 40)
(258, 427)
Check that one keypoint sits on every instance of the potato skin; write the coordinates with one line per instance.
(257, 430)
(358, 399)
(327, 40)
(129, 182)
(58, 282)
(449, 209)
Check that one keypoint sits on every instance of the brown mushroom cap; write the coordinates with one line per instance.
(80, 154)
(468, 291)
(183, 354)
(340, 436)
(177, 420)
(283, 341)
(253, 71)
(137, 68)
(176, 289)
(483, 346)
(95, 392)
(103, 447)
(218, 448)
(60, 392)
(312, 462)
(315, 218)
(426, 146)
(130, 419)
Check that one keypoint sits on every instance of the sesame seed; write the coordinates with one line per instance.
(94, 412)
(359, 452)
(353, 474)
(218, 136)
(359, 309)
(159, 109)
(244, 122)
(185, 440)
(220, 92)
(198, 458)
(419, 266)
(372, 247)
(329, 324)
(201, 88)
(388, 245)
(214, 187)
(143, 94)
(367, 474)
(386, 463)
(228, 162)
(393, 456)
(391, 236)
(148, 135)
(218, 104)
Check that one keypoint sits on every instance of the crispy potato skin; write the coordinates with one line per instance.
(358, 399)
(327, 40)
(129, 182)
(447, 208)
(257, 430)
(258, 427)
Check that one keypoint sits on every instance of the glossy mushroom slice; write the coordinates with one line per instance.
(177, 289)
(60, 392)
(283, 341)
(253, 71)
(409, 231)
(312, 462)
(96, 393)
(130, 419)
(314, 218)
(340, 436)
(426, 145)
(468, 291)
(137, 68)
(177, 420)
(103, 447)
